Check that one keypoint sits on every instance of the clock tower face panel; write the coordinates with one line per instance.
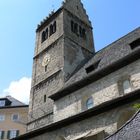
(50, 61)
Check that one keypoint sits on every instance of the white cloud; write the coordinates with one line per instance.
(19, 89)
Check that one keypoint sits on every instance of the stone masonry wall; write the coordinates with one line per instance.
(105, 121)
(109, 54)
(86, 42)
(102, 90)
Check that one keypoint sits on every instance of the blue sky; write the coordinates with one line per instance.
(111, 19)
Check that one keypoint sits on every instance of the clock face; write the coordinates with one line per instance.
(46, 60)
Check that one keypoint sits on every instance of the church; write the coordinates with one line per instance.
(77, 93)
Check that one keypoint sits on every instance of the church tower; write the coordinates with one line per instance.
(64, 42)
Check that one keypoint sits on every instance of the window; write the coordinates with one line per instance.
(126, 86)
(48, 32)
(2, 118)
(1, 134)
(12, 134)
(45, 98)
(46, 35)
(89, 103)
(135, 44)
(15, 117)
(80, 31)
(46, 68)
(83, 33)
(76, 28)
(43, 38)
(72, 26)
(54, 27)
(51, 30)
(2, 103)
(93, 67)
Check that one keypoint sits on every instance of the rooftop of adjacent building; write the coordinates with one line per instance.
(11, 102)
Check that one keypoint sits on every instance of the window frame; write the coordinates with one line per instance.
(135, 44)
(13, 117)
(120, 84)
(43, 36)
(54, 27)
(1, 120)
(89, 103)
(45, 98)
(2, 132)
(128, 89)
(72, 26)
(2, 103)
(10, 135)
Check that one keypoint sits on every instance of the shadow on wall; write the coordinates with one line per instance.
(125, 116)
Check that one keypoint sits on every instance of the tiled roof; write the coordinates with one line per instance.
(107, 55)
(107, 61)
(14, 102)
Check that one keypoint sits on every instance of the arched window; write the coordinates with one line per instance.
(126, 86)
(54, 27)
(83, 33)
(51, 30)
(47, 33)
(43, 37)
(89, 103)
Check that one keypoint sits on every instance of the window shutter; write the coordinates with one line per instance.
(8, 134)
(2, 135)
(17, 133)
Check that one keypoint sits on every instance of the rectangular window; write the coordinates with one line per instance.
(46, 68)
(83, 33)
(15, 117)
(135, 44)
(54, 27)
(2, 118)
(72, 26)
(51, 30)
(45, 98)
(80, 31)
(12, 134)
(127, 86)
(92, 67)
(1, 134)
(76, 28)
(2, 103)
(46, 35)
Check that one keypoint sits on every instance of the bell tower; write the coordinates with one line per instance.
(64, 42)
